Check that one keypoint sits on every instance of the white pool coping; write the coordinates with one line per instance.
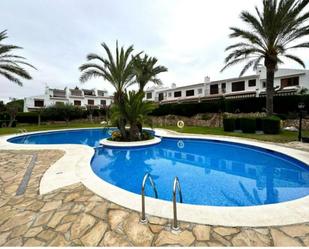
(75, 167)
(108, 143)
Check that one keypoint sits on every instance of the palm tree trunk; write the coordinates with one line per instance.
(270, 90)
(134, 132)
(119, 100)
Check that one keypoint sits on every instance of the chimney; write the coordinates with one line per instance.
(207, 79)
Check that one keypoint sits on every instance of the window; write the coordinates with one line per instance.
(214, 89)
(58, 93)
(264, 84)
(252, 83)
(223, 87)
(89, 92)
(177, 94)
(238, 86)
(294, 81)
(169, 94)
(100, 93)
(149, 95)
(38, 103)
(103, 102)
(76, 92)
(161, 96)
(90, 102)
(77, 103)
(190, 93)
(200, 91)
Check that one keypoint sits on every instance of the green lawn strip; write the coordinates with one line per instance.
(44, 127)
(283, 137)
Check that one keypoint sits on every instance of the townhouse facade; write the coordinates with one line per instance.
(84, 98)
(287, 82)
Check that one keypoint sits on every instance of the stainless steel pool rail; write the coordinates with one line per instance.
(176, 187)
(147, 176)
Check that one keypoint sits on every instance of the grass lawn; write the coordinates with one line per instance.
(44, 127)
(283, 137)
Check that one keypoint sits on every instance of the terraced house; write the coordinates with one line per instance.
(287, 82)
(78, 97)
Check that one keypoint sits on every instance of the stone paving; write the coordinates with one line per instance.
(75, 216)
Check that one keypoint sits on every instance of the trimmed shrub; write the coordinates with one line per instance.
(237, 124)
(14, 123)
(229, 124)
(248, 125)
(271, 125)
(27, 117)
(259, 124)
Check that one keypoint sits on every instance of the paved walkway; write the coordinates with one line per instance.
(74, 216)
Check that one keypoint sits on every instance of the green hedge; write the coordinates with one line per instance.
(284, 105)
(269, 125)
(28, 117)
(248, 125)
(229, 124)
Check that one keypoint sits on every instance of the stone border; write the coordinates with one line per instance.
(24, 182)
(113, 144)
(75, 167)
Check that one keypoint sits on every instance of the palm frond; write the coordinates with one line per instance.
(296, 59)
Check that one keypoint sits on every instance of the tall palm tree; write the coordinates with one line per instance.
(117, 69)
(146, 70)
(10, 64)
(271, 35)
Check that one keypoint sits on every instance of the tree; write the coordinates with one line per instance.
(271, 35)
(136, 110)
(12, 110)
(145, 71)
(117, 69)
(64, 112)
(10, 64)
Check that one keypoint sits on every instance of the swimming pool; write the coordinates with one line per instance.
(212, 173)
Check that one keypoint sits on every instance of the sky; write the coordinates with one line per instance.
(187, 36)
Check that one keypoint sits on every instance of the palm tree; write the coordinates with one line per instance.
(117, 70)
(10, 64)
(145, 71)
(136, 112)
(271, 35)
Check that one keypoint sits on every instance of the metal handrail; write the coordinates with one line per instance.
(176, 186)
(147, 176)
(22, 130)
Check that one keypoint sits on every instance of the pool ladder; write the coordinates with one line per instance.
(176, 186)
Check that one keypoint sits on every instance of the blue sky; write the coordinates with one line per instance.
(187, 36)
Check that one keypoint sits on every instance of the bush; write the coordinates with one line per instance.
(27, 117)
(248, 125)
(65, 112)
(259, 124)
(229, 124)
(271, 125)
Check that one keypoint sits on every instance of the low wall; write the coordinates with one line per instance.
(203, 120)
(214, 120)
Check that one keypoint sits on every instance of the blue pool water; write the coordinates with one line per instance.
(210, 172)
(89, 137)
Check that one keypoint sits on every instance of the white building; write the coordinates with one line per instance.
(78, 97)
(287, 81)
